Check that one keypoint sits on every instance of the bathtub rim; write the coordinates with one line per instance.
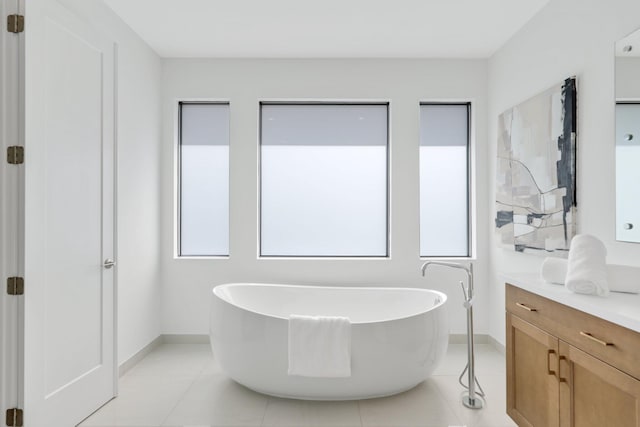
(442, 295)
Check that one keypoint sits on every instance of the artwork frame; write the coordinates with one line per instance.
(536, 172)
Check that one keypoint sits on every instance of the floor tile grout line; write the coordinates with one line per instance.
(360, 413)
(447, 401)
(179, 400)
(266, 407)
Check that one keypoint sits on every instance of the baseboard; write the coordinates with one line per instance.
(185, 339)
(462, 339)
(496, 344)
(204, 339)
(161, 339)
(133, 360)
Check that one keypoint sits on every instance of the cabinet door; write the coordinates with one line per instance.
(595, 394)
(532, 386)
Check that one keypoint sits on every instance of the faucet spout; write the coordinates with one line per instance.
(468, 270)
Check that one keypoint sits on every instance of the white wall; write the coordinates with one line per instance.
(138, 193)
(139, 153)
(567, 37)
(188, 282)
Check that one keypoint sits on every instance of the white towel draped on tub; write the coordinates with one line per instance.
(586, 266)
(319, 346)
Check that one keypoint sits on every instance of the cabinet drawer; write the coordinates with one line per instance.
(537, 310)
(611, 343)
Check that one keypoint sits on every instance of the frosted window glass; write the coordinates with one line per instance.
(204, 179)
(323, 180)
(444, 177)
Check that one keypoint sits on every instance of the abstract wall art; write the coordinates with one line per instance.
(536, 172)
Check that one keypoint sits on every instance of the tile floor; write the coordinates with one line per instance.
(181, 385)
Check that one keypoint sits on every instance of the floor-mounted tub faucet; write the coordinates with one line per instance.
(472, 399)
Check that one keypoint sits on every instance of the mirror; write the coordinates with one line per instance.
(627, 92)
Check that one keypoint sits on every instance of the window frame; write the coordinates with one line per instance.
(327, 102)
(177, 225)
(470, 167)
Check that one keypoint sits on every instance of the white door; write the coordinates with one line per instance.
(69, 346)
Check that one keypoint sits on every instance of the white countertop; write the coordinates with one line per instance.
(619, 308)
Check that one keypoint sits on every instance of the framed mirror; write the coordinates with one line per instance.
(627, 92)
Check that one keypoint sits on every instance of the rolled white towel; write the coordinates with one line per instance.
(621, 278)
(554, 270)
(586, 267)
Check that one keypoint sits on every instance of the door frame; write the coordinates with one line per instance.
(11, 190)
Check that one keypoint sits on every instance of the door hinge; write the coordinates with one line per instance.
(15, 286)
(14, 417)
(15, 23)
(15, 155)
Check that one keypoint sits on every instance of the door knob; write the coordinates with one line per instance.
(109, 263)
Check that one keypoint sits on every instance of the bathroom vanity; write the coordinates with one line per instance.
(572, 360)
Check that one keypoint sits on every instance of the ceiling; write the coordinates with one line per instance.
(326, 28)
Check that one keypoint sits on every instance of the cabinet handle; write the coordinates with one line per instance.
(592, 338)
(525, 307)
(560, 360)
(549, 371)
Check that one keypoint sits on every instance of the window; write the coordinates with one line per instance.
(323, 173)
(444, 180)
(204, 179)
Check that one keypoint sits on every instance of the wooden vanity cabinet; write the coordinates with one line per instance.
(553, 377)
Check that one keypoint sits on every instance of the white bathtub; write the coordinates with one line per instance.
(398, 337)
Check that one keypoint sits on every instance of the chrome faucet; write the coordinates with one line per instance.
(469, 270)
(472, 399)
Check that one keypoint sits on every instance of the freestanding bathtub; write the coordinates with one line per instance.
(398, 337)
